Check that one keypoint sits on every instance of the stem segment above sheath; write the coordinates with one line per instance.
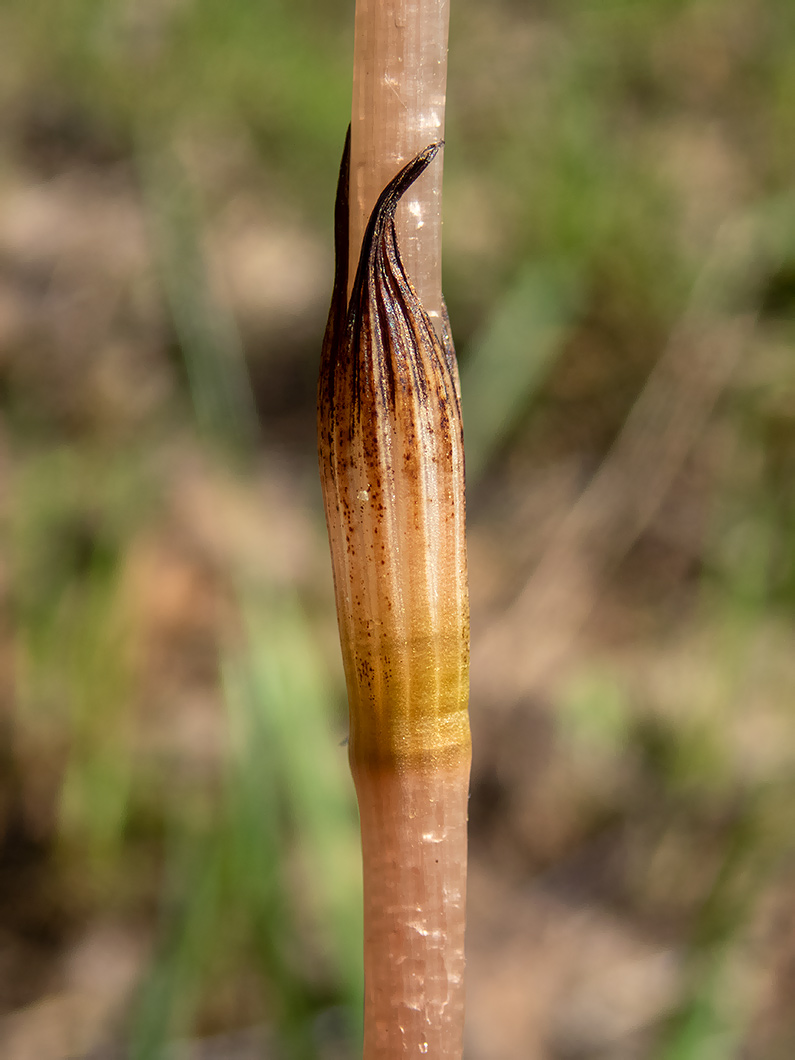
(399, 89)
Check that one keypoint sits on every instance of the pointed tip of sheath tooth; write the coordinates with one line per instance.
(384, 210)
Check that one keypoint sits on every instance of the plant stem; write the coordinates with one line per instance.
(399, 89)
(392, 471)
(414, 848)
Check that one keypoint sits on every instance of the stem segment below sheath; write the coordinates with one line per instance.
(414, 849)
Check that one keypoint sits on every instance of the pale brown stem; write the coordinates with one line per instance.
(399, 89)
(414, 850)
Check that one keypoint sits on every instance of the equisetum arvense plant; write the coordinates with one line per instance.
(392, 471)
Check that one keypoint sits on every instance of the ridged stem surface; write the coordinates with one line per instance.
(399, 89)
(414, 850)
(392, 471)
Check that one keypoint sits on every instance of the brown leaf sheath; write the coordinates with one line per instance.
(392, 470)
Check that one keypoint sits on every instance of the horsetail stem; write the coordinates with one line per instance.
(392, 471)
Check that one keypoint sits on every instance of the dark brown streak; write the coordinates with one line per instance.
(416, 330)
(339, 303)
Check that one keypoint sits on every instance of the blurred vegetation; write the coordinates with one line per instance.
(178, 847)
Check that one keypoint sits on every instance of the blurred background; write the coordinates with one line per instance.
(179, 868)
